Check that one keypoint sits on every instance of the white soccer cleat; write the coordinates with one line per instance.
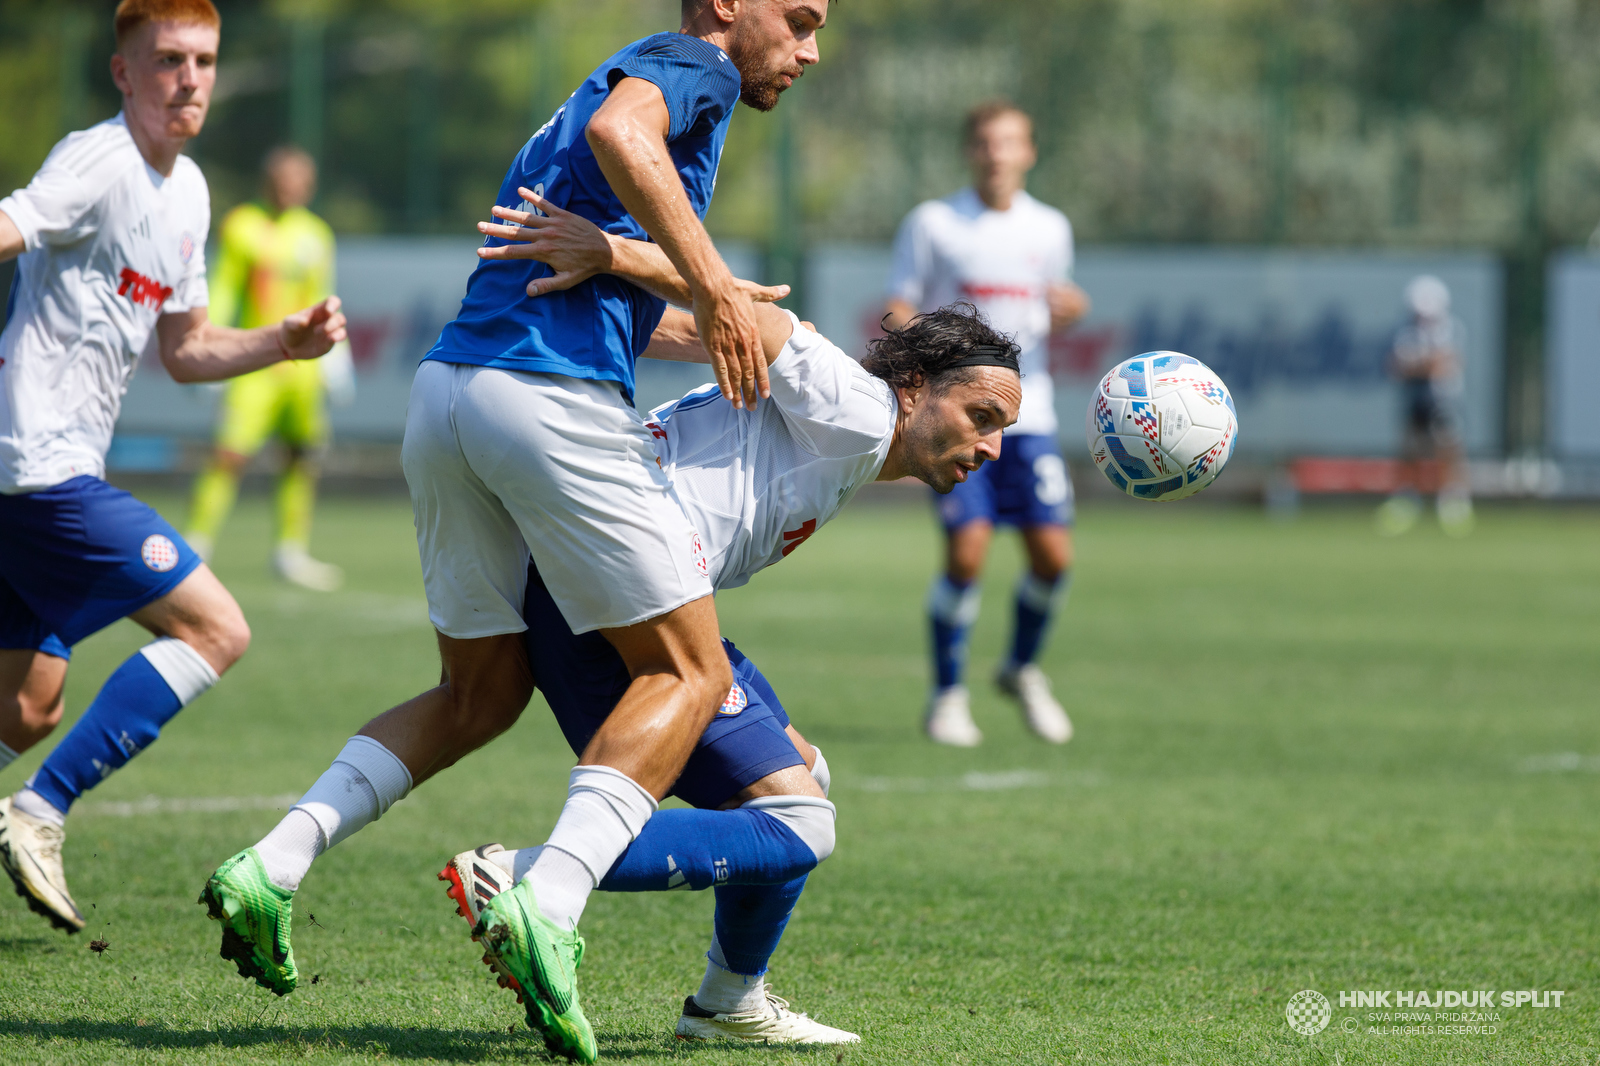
(30, 851)
(1455, 514)
(1028, 686)
(772, 1023)
(295, 565)
(1398, 514)
(949, 719)
(475, 880)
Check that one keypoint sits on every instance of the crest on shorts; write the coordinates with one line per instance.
(697, 552)
(159, 553)
(736, 701)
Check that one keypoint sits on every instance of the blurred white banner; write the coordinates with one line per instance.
(1301, 338)
(1572, 356)
(398, 293)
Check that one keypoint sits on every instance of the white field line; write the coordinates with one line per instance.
(1562, 762)
(974, 781)
(197, 805)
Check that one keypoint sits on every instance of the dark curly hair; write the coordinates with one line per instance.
(923, 350)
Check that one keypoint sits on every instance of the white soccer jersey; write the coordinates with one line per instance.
(111, 245)
(1417, 341)
(999, 261)
(757, 483)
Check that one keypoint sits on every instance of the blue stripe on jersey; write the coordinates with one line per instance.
(698, 398)
(597, 329)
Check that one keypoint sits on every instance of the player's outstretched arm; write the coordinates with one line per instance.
(677, 337)
(193, 348)
(11, 243)
(576, 250)
(628, 135)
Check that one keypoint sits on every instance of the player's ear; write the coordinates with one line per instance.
(119, 74)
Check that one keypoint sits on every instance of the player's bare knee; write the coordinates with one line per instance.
(222, 637)
(36, 716)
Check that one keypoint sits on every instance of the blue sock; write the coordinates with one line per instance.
(1036, 601)
(750, 921)
(695, 849)
(124, 719)
(952, 608)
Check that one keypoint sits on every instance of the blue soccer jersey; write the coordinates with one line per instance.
(597, 329)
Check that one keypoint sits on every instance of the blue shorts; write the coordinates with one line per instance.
(1027, 486)
(583, 677)
(78, 556)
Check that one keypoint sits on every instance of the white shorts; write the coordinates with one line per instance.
(503, 463)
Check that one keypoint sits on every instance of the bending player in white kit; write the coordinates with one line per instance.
(1011, 256)
(930, 401)
(111, 233)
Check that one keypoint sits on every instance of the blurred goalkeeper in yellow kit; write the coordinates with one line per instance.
(275, 257)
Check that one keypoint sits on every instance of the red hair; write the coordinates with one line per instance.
(131, 14)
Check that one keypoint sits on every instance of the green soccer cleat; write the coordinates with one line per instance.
(254, 914)
(540, 961)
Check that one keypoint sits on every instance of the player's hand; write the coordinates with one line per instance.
(726, 319)
(1068, 304)
(572, 246)
(761, 294)
(312, 333)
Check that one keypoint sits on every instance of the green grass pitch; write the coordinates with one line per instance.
(1306, 758)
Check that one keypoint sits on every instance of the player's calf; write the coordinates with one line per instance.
(31, 705)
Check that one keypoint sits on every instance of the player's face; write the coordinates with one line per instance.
(772, 42)
(1001, 151)
(292, 182)
(950, 434)
(166, 72)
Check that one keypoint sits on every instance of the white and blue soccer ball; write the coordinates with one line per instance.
(1161, 426)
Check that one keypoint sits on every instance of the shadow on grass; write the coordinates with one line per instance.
(401, 1042)
(453, 1045)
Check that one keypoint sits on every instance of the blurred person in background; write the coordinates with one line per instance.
(275, 256)
(997, 248)
(1426, 358)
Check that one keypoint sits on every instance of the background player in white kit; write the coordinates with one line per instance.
(111, 234)
(1010, 256)
(1426, 359)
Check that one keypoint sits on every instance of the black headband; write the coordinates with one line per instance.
(988, 355)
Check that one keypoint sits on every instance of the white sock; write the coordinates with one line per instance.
(7, 756)
(726, 992)
(517, 863)
(819, 771)
(185, 670)
(34, 805)
(606, 809)
(365, 780)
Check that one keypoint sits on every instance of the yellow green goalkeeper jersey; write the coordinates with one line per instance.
(270, 267)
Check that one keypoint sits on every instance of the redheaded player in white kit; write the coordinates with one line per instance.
(996, 247)
(111, 233)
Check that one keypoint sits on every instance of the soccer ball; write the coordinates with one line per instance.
(1161, 426)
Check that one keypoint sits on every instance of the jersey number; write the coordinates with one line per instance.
(797, 537)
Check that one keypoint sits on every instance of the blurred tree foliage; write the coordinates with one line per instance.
(1324, 122)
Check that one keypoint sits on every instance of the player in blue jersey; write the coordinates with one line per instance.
(521, 438)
